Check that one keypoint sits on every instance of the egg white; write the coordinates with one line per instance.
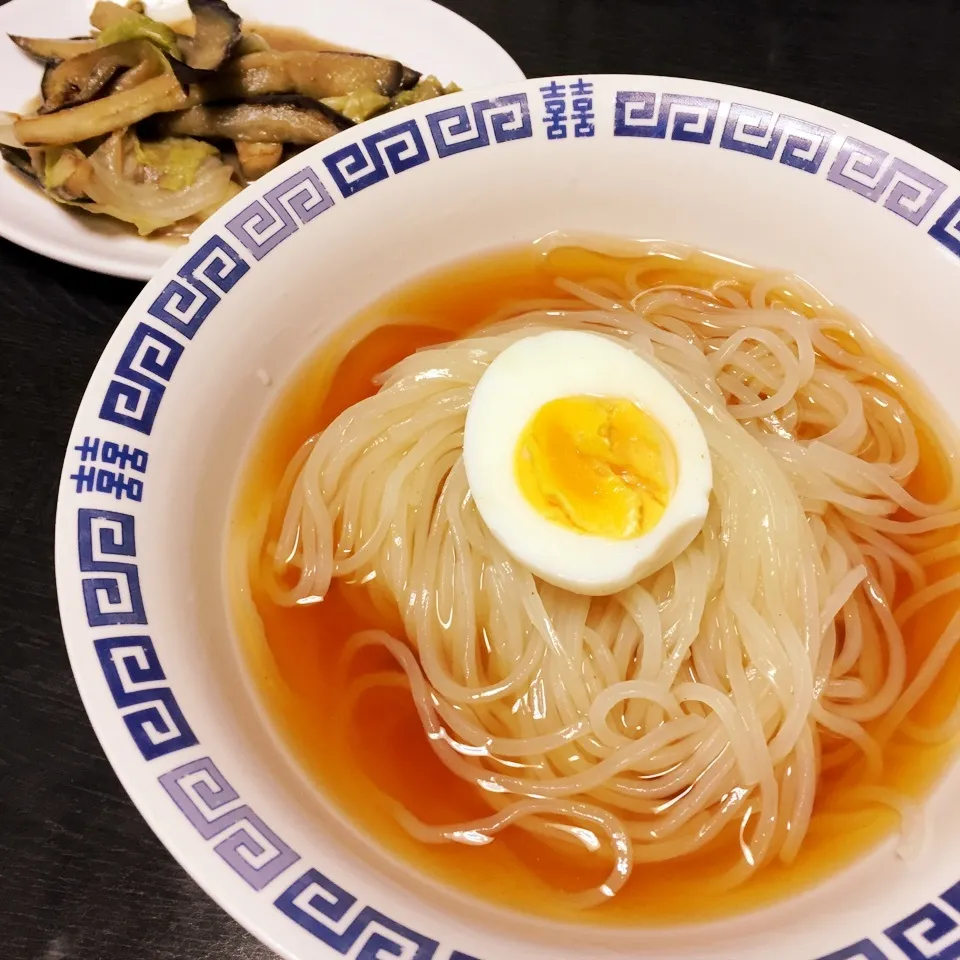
(565, 363)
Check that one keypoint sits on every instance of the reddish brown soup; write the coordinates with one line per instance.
(365, 753)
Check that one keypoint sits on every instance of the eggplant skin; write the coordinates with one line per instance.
(93, 119)
(295, 120)
(409, 78)
(315, 74)
(53, 51)
(20, 161)
(82, 78)
(216, 35)
(188, 75)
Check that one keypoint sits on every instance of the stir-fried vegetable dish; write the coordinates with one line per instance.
(158, 126)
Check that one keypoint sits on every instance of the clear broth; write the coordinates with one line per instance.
(363, 758)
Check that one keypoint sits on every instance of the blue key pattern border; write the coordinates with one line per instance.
(106, 538)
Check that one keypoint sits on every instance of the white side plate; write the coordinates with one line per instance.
(421, 33)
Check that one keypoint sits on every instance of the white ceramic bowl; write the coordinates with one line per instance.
(419, 32)
(203, 352)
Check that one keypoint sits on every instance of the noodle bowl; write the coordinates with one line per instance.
(708, 698)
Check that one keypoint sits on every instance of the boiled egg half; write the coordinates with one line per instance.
(584, 461)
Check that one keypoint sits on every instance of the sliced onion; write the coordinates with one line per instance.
(7, 135)
(149, 206)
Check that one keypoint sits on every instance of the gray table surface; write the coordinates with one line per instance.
(81, 875)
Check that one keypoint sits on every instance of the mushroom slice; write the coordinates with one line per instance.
(310, 73)
(98, 117)
(80, 79)
(296, 120)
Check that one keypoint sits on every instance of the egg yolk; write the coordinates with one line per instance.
(597, 465)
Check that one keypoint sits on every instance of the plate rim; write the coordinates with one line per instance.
(51, 247)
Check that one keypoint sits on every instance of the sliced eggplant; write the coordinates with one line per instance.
(61, 177)
(188, 75)
(256, 159)
(143, 71)
(53, 51)
(409, 78)
(297, 120)
(20, 160)
(314, 74)
(93, 119)
(250, 42)
(216, 35)
(81, 79)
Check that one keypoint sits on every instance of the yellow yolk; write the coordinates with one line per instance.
(597, 465)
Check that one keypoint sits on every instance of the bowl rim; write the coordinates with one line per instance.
(191, 855)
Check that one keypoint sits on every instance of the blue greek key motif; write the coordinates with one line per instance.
(750, 130)
(862, 950)
(106, 541)
(250, 848)
(333, 917)
(209, 274)
(114, 596)
(360, 165)
(665, 116)
(873, 173)
(805, 144)
(138, 686)
(456, 129)
(929, 933)
(145, 368)
(952, 897)
(947, 228)
(755, 131)
(265, 224)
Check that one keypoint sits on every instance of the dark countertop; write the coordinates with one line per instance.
(81, 875)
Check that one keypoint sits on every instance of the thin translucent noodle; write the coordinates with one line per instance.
(711, 695)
